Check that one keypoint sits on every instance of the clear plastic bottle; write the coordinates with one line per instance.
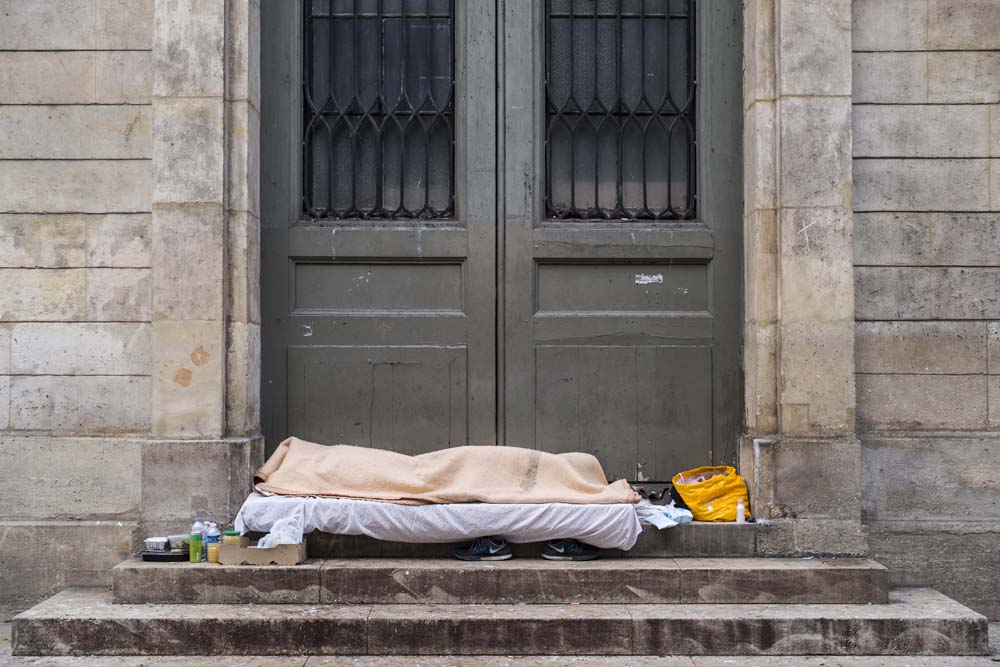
(213, 537)
(195, 541)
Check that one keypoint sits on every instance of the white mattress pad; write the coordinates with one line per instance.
(614, 526)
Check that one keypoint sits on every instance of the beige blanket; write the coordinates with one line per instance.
(455, 475)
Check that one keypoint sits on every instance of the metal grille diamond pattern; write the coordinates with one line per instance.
(620, 85)
(378, 130)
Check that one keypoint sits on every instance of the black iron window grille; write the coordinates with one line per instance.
(620, 138)
(378, 131)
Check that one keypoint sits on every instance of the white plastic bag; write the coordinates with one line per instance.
(287, 530)
(662, 516)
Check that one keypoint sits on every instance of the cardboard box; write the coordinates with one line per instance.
(247, 553)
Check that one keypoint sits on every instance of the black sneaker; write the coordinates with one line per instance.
(484, 548)
(569, 550)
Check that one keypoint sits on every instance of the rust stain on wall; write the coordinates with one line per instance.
(183, 377)
(200, 356)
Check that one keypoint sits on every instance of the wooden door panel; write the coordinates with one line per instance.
(407, 399)
(637, 408)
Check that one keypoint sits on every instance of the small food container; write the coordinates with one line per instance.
(156, 544)
(179, 541)
(231, 537)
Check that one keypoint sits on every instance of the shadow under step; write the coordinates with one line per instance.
(691, 540)
(516, 581)
(86, 622)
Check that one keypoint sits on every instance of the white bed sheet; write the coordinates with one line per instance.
(605, 526)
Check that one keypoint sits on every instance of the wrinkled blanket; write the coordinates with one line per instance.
(455, 475)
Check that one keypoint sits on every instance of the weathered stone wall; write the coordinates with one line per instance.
(799, 322)
(75, 183)
(927, 289)
(128, 244)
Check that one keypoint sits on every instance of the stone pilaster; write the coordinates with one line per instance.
(800, 456)
(189, 219)
(243, 264)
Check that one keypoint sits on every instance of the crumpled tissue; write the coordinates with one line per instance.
(287, 530)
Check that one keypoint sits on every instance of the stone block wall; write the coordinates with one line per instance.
(926, 119)
(128, 344)
(75, 188)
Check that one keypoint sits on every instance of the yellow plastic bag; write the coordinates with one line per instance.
(714, 498)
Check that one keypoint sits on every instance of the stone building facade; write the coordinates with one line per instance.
(130, 301)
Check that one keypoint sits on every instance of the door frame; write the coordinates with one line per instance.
(719, 131)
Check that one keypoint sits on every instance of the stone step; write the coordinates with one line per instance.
(692, 540)
(517, 581)
(86, 622)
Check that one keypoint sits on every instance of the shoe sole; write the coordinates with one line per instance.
(477, 558)
(575, 558)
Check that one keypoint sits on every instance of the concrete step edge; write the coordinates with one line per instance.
(422, 581)
(915, 622)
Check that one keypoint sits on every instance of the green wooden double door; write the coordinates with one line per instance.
(511, 222)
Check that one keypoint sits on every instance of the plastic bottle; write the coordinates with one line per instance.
(741, 512)
(213, 536)
(195, 542)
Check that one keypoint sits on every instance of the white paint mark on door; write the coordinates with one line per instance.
(649, 279)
